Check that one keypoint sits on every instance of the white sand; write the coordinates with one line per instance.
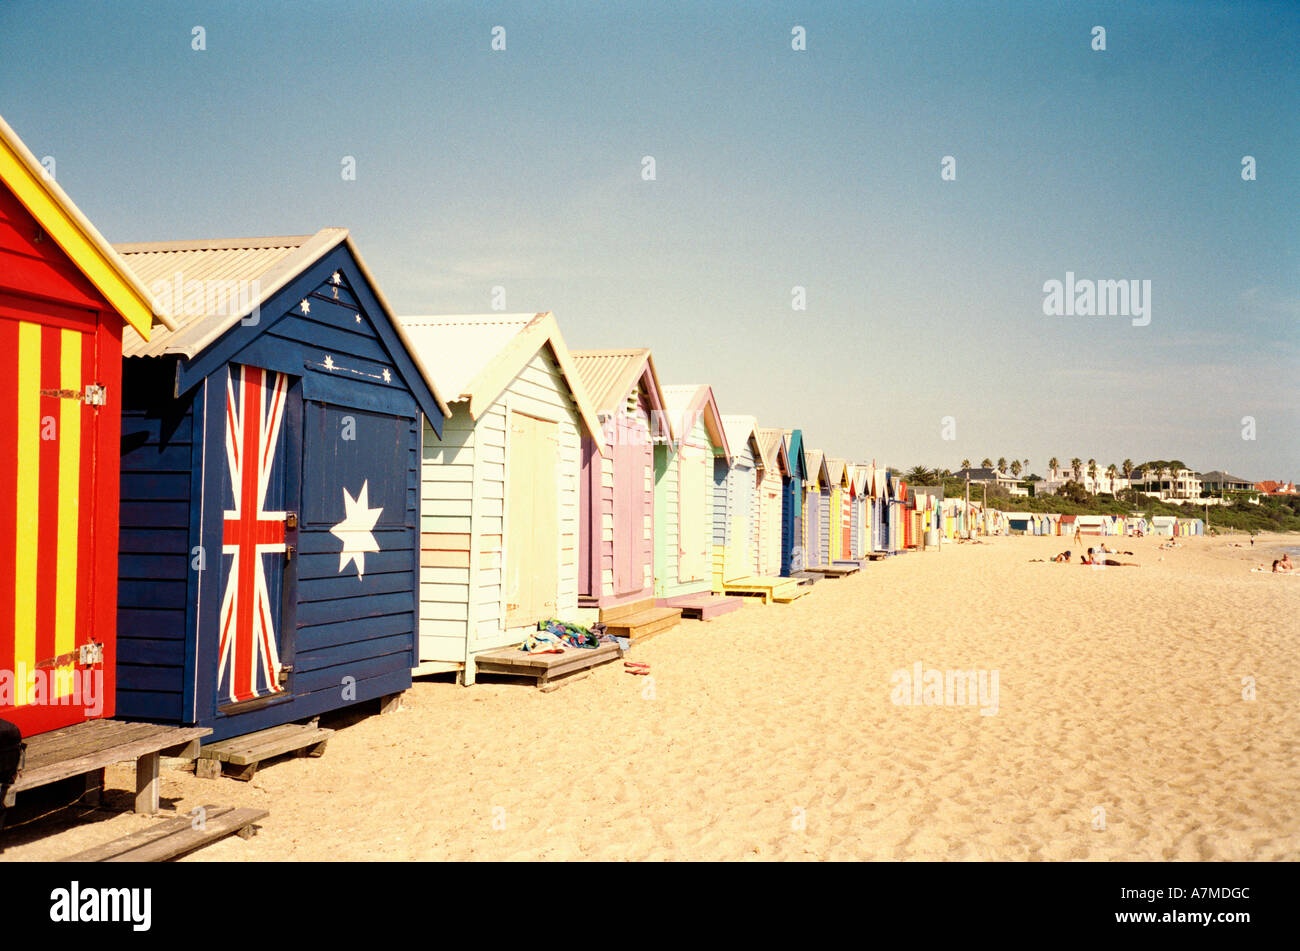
(771, 733)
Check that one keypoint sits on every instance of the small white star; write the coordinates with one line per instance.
(356, 529)
(358, 318)
(388, 377)
(306, 306)
(335, 279)
(329, 362)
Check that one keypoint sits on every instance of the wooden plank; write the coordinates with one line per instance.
(219, 749)
(52, 746)
(255, 747)
(160, 738)
(178, 838)
(162, 828)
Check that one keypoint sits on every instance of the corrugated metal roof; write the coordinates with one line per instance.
(816, 464)
(252, 269)
(609, 375)
(772, 444)
(683, 399)
(456, 348)
(475, 356)
(740, 429)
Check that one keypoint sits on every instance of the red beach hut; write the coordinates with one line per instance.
(65, 301)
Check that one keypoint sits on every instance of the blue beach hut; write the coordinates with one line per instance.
(269, 542)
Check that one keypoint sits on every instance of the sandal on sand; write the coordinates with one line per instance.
(632, 667)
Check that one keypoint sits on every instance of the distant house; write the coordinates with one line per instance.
(1175, 486)
(1269, 487)
(980, 475)
(1218, 481)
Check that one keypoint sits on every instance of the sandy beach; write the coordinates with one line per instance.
(770, 733)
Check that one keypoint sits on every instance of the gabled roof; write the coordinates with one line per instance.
(741, 429)
(683, 400)
(610, 375)
(794, 450)
(836, 469)
(267, 265)
(263, 265)
(817, 471)
(771, 442)
(63, 221)
(474, 357)
(861, 474)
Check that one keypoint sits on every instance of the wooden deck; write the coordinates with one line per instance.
(835, 571)
(176, 837)
(85, 749)
(239, 757)
(806, 577)
(550, 671)
(704, 606)
(780, 590)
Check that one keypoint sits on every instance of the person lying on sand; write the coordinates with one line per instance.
(1092, 558)
(1063, 556)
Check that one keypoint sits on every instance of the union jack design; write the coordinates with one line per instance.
(248, 658)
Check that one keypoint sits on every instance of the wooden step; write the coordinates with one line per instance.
(704, 606)
(549, 671)
(239, 757)
(646, 624)
(176, 837)
(619, 611)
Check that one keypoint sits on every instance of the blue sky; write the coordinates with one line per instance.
(775, 168)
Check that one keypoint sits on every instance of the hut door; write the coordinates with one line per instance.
(629, 507)
(533, 527)
(738, 555)
(48, 430)
(846, 520)
(812, 530)
(257, 535)
(694, 489)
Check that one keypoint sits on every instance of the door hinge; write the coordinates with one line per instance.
(93, 395)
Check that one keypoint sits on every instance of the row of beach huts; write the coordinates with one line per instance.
(1035, 523)
(241, 492)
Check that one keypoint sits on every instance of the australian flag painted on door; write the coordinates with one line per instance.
(270, 499)
(253, 544)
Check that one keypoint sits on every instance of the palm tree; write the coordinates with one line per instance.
(986, 463)
(917, 475)
(1077, 465)
(1111, 471)
(1002, 463)
(1092, 472)
(1015, 467)
(1053, 464)
(965, 463)
(1127, 466)
(1024, 464)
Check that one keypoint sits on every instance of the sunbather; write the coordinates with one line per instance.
(1095, 559)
